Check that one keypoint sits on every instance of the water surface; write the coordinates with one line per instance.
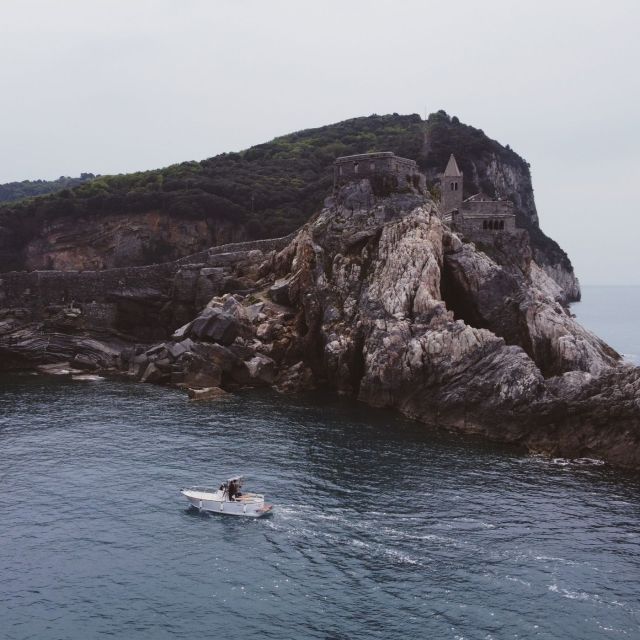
(381, 528)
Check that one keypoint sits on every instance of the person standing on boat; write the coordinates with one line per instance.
(233, 490)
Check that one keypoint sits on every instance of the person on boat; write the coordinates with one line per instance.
(233, 490)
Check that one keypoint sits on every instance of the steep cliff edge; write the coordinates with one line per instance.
(375, 298)
(266, 191)
(499, 172)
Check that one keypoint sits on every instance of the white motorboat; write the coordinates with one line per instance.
(228, 499)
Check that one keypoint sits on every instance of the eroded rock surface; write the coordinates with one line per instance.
(377, 299)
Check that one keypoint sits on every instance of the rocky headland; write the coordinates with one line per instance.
(374, 297)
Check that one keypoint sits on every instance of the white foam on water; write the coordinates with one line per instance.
(400, 557)
(573, 595)
(562, 462)
(518, 580)
(589, 597)
(555, 559)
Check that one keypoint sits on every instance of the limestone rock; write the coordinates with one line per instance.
(200, 372)
(153, 373)
(208, 393)
(279, 291)
(261, 369)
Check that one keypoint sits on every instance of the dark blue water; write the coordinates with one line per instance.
(381, 529)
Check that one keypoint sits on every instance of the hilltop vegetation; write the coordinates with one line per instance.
(11, 191)
(271, 188)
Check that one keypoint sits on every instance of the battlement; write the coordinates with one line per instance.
(403, 171)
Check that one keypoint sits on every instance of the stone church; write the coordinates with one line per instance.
(478, 215)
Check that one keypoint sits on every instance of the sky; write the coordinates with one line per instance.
(112, 86)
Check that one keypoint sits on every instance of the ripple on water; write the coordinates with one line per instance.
(381, 529)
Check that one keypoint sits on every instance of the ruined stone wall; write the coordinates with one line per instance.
(269, 244)
(39, 289)
(367, 165)
(42, 288)
(356, 167)
(133, 300)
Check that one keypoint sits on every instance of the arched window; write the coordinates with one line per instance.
(490, 224)
(456, 185)
(501, 224)
(355, 167)
(452, 186)
(484, 224)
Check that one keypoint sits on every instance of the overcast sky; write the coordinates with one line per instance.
(111, 86)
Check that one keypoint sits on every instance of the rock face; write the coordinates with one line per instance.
(377, 299)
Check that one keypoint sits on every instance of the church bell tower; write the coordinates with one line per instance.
(451, 187)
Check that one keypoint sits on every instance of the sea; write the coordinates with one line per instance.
(381, 528)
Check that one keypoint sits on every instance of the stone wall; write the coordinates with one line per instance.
(269, 244)
(488, 208)
(367, 165)
(484, 216)
(39, 289)
(135, 299)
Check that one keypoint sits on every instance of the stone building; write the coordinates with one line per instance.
(451, 187)
(479, 215)
(395, 171)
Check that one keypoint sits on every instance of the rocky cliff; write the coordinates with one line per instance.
(266, 191)
(499, 172)
(375, 298)
(120, 240)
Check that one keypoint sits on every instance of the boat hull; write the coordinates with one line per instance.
(247, 509)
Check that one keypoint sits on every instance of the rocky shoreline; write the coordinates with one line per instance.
(374, 298)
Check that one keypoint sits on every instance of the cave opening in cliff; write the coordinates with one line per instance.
(458, 301)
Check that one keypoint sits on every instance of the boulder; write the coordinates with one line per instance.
(153, 374)
(208, 393)
(202, 373)
(221, 356)
(261, 369)
(279, 291)
(215, 324)
(295, 379)
(58, 369)
(254, 311)
(176, 349)
(181, 333)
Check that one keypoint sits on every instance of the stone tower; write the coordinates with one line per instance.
(451, 187)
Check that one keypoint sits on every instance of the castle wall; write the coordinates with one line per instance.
(350, 168)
